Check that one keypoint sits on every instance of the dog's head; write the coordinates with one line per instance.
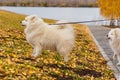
(113, 34)
(31, 20)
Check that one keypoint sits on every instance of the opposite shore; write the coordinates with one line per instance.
(50, 3)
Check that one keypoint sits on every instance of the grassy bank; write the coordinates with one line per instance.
(15, 63)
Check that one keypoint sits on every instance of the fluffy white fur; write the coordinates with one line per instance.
(114, 40)
(48, 37)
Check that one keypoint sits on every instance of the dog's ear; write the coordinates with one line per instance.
(33, 17)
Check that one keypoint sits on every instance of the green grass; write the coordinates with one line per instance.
(16, 64)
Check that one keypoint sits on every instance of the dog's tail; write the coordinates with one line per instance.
(66, 28)
(63, 26)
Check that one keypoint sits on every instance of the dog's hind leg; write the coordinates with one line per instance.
(65, 52)
(66, 57)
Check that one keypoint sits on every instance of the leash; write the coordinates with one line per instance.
(79, 22)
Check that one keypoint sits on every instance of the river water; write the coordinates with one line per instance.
(59, 13)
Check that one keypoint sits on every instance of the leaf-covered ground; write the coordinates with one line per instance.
(86, 62)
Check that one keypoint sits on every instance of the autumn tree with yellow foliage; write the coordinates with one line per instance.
(110, 9)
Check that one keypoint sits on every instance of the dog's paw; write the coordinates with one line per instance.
(66, 59)
(118, 64)
(34, 55)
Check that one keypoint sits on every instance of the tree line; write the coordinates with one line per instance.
(110, 9)
(51, 3)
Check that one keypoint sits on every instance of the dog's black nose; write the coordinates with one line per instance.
(108, 37)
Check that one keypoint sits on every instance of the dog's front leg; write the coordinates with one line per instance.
(118, 57)
(37, 51)
(114, 55)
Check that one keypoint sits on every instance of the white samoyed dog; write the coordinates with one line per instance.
(114, 41)
(43, 36)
